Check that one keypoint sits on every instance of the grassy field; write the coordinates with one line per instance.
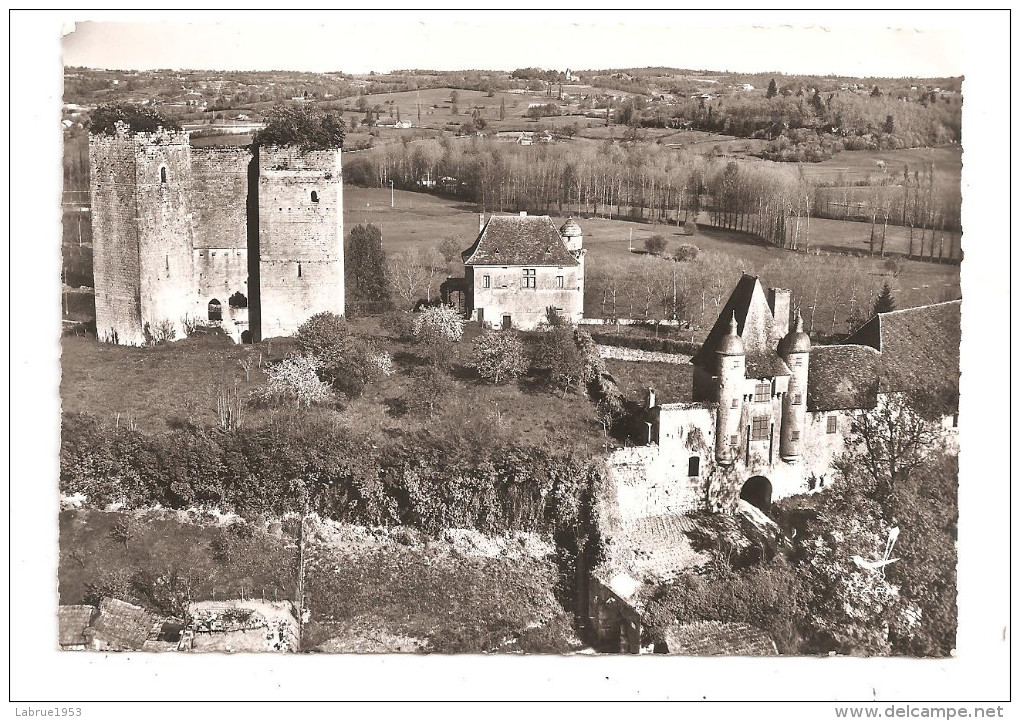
(155, 388)
(671, 382)
(166, 386)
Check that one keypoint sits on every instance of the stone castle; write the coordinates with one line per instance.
(769, 417)
(247, 239)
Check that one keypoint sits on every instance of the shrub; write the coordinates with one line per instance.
(686, 253)
(431, 386)
(304, 127)
(345, 360)
(557, 351)
(499, 356)
(104, 119)
(437, 324)
(655, 245)
(690, 228)
(294, 380)
(399, 322)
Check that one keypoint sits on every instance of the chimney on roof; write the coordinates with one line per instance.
(779, 304)
(481, 222)
(524, 214)
(651, 398)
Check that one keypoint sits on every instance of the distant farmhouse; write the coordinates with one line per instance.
(519, 269)
(769, 417)
(248, 241)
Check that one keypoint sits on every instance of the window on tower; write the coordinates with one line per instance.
(796, 399)
(315, 196)
(830, 424)
(162, 175)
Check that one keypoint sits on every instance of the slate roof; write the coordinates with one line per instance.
(73, 624)
(121, 625)
(754, 326)
(530, 240)
(715, 638)
(841, 377)
(920, 347)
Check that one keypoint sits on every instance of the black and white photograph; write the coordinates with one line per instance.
(652, 343)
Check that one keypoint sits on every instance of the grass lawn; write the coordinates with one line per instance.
(672, 383)
(161, 387)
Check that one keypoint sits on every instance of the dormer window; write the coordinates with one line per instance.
(762, 392)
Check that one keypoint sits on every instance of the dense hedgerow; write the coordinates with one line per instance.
(420, 480)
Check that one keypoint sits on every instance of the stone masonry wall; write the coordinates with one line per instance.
(115, 240)
(164, 229)
(219, 192)
(300, 239)
(525, 306)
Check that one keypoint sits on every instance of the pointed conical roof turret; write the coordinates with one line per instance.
(570, 229)
(732, 343)
(796, 341)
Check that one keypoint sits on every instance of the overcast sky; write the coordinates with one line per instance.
(854, 44)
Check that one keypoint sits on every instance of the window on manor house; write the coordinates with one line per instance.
(298, 270)
(315, 196)
(694, 466)
(559, 281)
(759, 429)
(762, 392)
(162, 175)
(798, 362)
(215, 310)
(735, 403)
(528, 279)
(830, 424)
(486, 281)
(796, 399)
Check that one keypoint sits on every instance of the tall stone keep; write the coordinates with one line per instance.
(142, 234)
(300, 239)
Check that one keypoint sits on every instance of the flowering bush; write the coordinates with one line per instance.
(296, 380)
(384, 362)
(438, 323)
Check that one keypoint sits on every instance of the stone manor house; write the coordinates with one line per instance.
(520, 268)
(769, 415)
(251, 241)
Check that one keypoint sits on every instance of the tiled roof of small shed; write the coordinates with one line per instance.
(73, 622)
(519, 240)
(715, 638)
(122, 625)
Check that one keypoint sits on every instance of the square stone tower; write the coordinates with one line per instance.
(300, 240)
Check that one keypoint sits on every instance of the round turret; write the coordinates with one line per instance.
(796, 341)
(570, 229)
(731, 344)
